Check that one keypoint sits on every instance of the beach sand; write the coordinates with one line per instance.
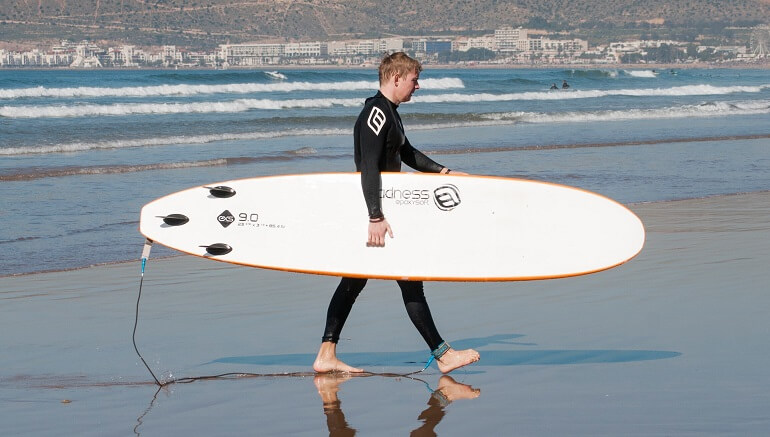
(673, 342)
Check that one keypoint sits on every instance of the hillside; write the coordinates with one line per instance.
(206, 23)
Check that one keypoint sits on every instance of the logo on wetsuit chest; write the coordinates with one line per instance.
(445, 197)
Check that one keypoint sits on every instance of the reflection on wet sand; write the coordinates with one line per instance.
(448, 391)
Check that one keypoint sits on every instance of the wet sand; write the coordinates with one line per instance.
(672, 343)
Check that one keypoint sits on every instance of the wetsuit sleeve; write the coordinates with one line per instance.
(418, 161)
(372, 136)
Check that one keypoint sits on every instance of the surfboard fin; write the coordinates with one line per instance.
(218, 249)
(221, 191)
(175, 219)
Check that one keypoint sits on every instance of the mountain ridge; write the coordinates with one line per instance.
(211, 22)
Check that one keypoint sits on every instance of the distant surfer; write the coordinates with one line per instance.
(554, 87)
(564, 85)
(380, 144)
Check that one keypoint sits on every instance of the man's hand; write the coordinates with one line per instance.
(447, 170)
(377, 233)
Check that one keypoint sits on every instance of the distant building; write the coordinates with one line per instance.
(250, 54)
(507, 39)
(431, 46)
(554, 46)
(305, 49)
(365, 47)
(464, 44)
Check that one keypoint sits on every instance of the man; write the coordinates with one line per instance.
(381, 145)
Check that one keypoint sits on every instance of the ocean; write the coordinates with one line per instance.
(82, 151)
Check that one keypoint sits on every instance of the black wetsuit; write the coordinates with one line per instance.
(381, 145)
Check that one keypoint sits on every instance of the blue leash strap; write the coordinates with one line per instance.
(146, 253)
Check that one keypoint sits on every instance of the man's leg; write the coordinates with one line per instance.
(419, 312)
(339, 309)
(417, 308)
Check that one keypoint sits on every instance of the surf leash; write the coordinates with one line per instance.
(146, 255)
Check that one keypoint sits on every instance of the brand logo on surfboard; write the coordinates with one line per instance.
(225, 218)
(447, 197)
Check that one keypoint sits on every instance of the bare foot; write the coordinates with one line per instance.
(454, 359)
(327, 361)
(454, 390)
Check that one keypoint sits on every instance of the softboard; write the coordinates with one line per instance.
(446, 227)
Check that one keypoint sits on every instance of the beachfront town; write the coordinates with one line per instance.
(504, 46)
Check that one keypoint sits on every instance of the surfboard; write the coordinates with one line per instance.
(446, 227)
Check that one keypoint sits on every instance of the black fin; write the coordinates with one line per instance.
(218, 249)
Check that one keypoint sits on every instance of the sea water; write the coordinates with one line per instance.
(82, 151)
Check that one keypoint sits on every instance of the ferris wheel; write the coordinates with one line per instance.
(760, 41)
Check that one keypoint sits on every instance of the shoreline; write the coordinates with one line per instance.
(180, 255)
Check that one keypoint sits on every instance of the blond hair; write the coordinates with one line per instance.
(397, 63)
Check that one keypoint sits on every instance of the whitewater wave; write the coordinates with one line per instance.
(715, 109)
(118, 109)
(649, 74)
(33, 173)
(232, 88)
(242, 105)
(171, 141)
(591, 73)
(101, 170)
(687, 90)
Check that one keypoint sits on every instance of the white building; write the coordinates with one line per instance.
(487, 42)
(251, 54)
(365, 47)
(507, 39)
(305, 49)
(562, 46)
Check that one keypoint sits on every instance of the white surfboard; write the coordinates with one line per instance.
(446, 227)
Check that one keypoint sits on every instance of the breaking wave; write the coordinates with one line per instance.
(422, 122)
(170, 141)
(232, 88)
(688, 90)
(242, 105)
(119, 109)
(715, 109)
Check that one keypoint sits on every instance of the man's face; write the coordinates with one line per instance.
(406, 86)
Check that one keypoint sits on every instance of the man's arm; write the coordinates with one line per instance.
(418, 160)
(372, 136)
